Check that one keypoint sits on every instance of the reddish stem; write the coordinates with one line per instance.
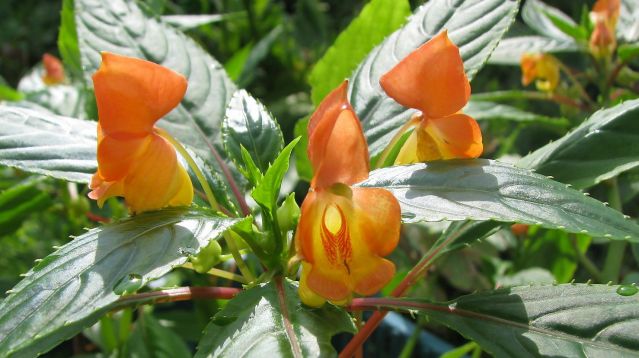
(97, 218)
(229, 177)
(179, 294)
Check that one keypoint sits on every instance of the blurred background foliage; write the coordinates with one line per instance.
(270, 47)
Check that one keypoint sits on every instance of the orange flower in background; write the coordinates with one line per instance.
(134, 161)
(53, 70)
(343, 231)
(432, 80)
(541, 67)
(604, 17)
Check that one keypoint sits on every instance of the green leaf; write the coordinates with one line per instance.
(256, 55)
(248, 124)
(461, 233)
(268, 190)
(481, 110)
(68, 39)
(188, 22)
(71, 288)
(481, 189)
(150, 339)
(627, 52)
(270, 318)
(572, 320)
(600, 148)
(554, 250)
(510, 50)
(19, 202)
(376, 21)
(9, 94)
(120, 26)
(474, 25)
(537, 15)
(38, 142)
(628, 23)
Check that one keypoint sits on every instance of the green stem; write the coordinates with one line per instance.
(586, 262)
(409, 347)
(220, 273)
(230, 242)
(617, 248)
(574, 81)
(196, 170)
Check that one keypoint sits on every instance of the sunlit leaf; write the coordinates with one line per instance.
(572, 320)
(71, 288)
(600, 148)
(482, 189)
(270, 319)
(376, 21)
(44, 143)
(536, 15)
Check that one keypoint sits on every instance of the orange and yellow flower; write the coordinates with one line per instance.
(53, 70)
(344, 231)
(604, 17)
(541, 67)
(432, 80)
(134, 161)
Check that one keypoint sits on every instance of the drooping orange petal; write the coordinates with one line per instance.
(157, 179)
(430, 79)
(458, 135)
(116, 155)
(378, 219)
(307, 296)
(337, 147)
(132, 94)
(610, 8)
(102, 190)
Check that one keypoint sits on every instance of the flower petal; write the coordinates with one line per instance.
(117, 155)
(430, 79)
(457, 136)
(337, 147)
(132, 94)
(157, 179)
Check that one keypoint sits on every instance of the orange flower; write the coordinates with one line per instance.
(53, 70)
(432, 79)
(604, 17)
(134, 161)
(542, 67)
(343, 231)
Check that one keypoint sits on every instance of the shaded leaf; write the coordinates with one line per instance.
(481, 110)
(150, 339)
(475, 26)
(270, 319)
(249, 124)
(377, 20)
(188, 22)
(19, 202)
(68, 39)
(537, 15)
(572, 320)
(43, 143)
(481, 189)
(600, 148)
(71, 288)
